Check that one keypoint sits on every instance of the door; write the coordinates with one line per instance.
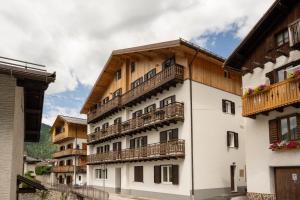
(233, 185)
(287, 183)
(69, 180)
(118, 180)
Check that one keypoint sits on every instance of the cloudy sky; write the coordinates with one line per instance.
(75, 37)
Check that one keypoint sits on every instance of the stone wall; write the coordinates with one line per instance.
(260, 196)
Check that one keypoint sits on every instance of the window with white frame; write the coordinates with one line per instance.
(166, 174)
(232, 139)
(228, 106)
(101, 173)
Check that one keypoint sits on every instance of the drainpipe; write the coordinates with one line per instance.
(75, 156)
(192, 129)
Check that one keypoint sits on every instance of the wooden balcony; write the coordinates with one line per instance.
(69, 169)
(61, 137)
(104, 110)
(276, 97)
(69, 152)
(152, 120)
(161, 81)
(159, 151)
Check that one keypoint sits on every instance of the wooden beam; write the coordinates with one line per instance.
(283, 53)
(270, 59)
(257, 64)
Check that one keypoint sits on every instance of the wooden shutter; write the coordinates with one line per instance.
(273, 131)
(271, 76)
(132, 144)
(174, 134)
(144, 141)
(236, 140)
(114, 146)
(146, 77)
(161, 104)
(175, 174)
(228, 138)
(232, 108)
(163, 137)
(224, 105)
(138, 173)
(298, 125)
(157, 174)
(173, 98)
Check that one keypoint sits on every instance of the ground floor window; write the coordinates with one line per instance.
(138, 174)
(166, 174)
(101, 173)
(166, 171)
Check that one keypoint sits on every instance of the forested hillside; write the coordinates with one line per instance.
(44, 148)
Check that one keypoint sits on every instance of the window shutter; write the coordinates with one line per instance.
(132, 144)
(146, 77)
(175, 174)
(146, 110)
(228, 138)
(144, 141)
(298, 125)
(273, 131)
(161, 104)
(157, 174)
(232, 108)
(271, 76)
(163, 137)
(138, 173)
(174, 134)
(224, 105)
(236, 140)
(173, 98)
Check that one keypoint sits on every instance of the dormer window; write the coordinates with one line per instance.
(118, 75)
(282, 38)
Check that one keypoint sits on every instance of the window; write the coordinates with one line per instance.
(228, 106)
(138, 174)
(118, 75)
(167, 101)
(79, 178)
(166, 174)
(106, 148)
(105, 126)
(97, 129)
(136, 83)
(132, 67)
(138, 142)
(169, 135)
(99, 150)
(69, 162)
(105, 100)
(117, 146)
(101, 173)
(70, 146)
(168, 63)
(282, 38)
(150, 108)
(137, 114)
(150, 74)
(232, 139)
(61, 163)
(59, 130)
(227, 74)
(117, 93)
(118, 120)
(62, 148)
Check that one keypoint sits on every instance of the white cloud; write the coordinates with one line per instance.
(75, 37)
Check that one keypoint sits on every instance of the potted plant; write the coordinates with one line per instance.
(248, 92)
(292, 144)
(260, 88)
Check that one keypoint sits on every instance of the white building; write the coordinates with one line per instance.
(141, 139)
(69, 133)
(270, 60)
(21, 103)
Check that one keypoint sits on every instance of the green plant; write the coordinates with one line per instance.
(41, 170)
(29, 176)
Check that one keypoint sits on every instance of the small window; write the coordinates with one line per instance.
(282, 38)
(166, 174)
(138, 142)
(169, 135)
(168, 63)
(117, 93)
(150, 108)
(105, 126)
(118, 121)
(227, 74)
(79, 178)
(132, 67)
(232, 139)
(97, 129)
(136, 83)
(228, 106)
(117, 146)
(118, 75)
(167, 101)
(288, 128)
(138, 174)
(106, 148)
(150, 74)
(101, 173)
(137, 114)
(105, 100)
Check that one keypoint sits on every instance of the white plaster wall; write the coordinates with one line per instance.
(82, 181)
(79, 142)
(212, 157)
(259, 158)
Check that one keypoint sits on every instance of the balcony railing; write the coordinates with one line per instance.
(170, 113)
(165, 78)
(277, 96)
(69, 152)
(68, 169)
(172, 149)
(60, 137)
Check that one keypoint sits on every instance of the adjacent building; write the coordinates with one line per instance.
(164, 120)
(70, 135)
(22, 87)
(269, 58)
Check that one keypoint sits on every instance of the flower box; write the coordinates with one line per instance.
(285, 145)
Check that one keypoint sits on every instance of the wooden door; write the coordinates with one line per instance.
(232, 177)
(287, 183)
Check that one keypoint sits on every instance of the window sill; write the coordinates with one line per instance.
(167, 183)
(285, 146)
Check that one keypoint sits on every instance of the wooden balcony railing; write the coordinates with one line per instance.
(277, 96)
(69, 152)
(170, 113)
(104, 108)
(172, 149)
(60, 137)
(68, 169)
(165, 78)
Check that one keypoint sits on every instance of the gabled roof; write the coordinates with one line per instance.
(68, 119)
(275, 13)
(163, 47)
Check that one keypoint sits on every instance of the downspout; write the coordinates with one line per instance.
(192, 129)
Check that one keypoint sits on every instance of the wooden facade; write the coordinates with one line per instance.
(69, 152)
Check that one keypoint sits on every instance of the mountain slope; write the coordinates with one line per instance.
(44, 148)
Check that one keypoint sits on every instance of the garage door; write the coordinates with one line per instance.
(287, 183)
